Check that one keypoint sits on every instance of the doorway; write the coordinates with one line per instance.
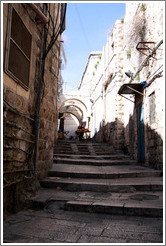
(140, 133)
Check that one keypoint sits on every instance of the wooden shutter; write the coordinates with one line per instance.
(18, 49)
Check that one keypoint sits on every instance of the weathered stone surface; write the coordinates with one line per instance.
(53, 225)
(24, 101)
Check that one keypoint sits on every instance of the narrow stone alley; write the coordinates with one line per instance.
(86, 165)
(91, 195)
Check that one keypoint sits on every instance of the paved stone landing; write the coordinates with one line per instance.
(54, 225)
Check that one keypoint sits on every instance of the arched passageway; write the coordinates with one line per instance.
(74, 112)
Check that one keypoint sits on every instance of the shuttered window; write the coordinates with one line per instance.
(152, 109)
(18, 50)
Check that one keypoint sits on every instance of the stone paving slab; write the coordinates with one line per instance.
(53, 225)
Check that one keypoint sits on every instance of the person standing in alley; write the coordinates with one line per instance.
(80, 132)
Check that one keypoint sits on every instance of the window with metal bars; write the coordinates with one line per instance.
(18, 49)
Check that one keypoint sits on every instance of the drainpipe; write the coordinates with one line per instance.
(38, 12)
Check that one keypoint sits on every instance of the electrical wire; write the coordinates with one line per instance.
(82, 27)
(145, 61)
(56, 35)
(158, 75)
(154, 72)
(40, 93)
(15, 110)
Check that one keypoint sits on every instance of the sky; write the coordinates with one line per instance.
(87, 25)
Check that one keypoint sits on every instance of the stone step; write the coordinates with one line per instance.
(122, 185)
(82, 149)
(69, 152)
(67, 146)
(100, 157)
(60, 146)
(84, 152)
(103, 172)
(92, 162)
(140, 203)
(134, 208)
(103, 152)
(94, 178)
(98, 149)
(88, 153)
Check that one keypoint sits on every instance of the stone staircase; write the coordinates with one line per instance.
(91, 177)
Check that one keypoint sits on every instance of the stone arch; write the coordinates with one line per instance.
(64, 108)
(79, 105)
(73, 115)
(68, 112)
(74, 99)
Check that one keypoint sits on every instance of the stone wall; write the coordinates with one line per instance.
(143, 23)
(109, 80)
(21, 177)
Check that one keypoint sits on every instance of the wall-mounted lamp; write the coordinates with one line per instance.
(144, 83)
(129, 74)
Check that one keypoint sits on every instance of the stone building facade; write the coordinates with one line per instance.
(31, 49)
(127, 88)
(143, 40)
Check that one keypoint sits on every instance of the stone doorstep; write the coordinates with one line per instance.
(115, 207)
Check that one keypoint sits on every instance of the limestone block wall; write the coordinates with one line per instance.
(18, 126)
(48, 117)
(19, 111)
(143, 22)
(110, 124)
(154, 130)
(119, 130)
(87, 80)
